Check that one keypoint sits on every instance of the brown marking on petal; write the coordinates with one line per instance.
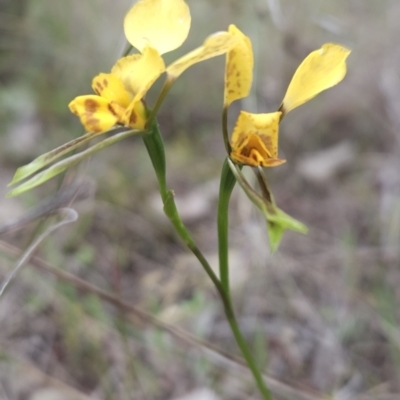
(245, 152)
(105, 82)
(237, 74)
(132, 118)
(97, 91)
(93, 123)
(99, 86)
(111, 109)
(91, 105)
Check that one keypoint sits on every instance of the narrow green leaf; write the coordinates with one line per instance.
(47, 158)
(69, 162)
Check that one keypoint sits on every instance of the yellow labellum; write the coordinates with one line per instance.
(95, 112)
(138, 72)
(255, 139)
(161, 24)
(320, 70)
(215, 45)
(238, 68)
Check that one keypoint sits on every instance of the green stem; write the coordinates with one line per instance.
(155, 147)
(266, 394)
(127, 50)
(225, 133)
(227, 184)
(161, 96)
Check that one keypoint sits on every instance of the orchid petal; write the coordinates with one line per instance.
(96, 113)
(213, 46)
(138, 72)
(162, 24)
(111, 88)
(320, 70)
(239, 68)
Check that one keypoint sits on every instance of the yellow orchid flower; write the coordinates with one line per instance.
(153, 27)
(254, 140)
(99, 113)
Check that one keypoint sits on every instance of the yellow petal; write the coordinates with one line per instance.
(135, 115)
(95, 112)
(111, 88)
(320, 70)
(239, 68)
(255, 139)
(138, 72)
(162, 24)
(124, 67)
(213, 46)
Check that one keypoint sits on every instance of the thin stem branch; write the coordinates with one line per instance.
(262, 181)
(127, 50)
(225, 133)
(161, 96)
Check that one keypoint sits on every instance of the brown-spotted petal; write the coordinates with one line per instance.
(135, 115)
(111, 87)
(238, 68)
(95, 112)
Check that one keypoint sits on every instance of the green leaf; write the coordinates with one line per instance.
(69, 162)
(277, 223)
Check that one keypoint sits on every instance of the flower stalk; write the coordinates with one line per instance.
(155, 148)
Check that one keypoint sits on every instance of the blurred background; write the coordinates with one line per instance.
(321, 315)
